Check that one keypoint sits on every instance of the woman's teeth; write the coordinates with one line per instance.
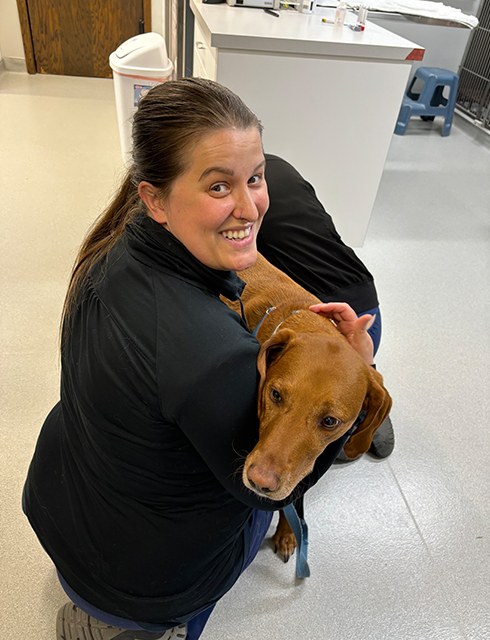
(236, 235)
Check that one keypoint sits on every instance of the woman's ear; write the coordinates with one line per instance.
(150, 196)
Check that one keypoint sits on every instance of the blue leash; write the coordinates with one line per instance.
(255, 331)
(300, 530)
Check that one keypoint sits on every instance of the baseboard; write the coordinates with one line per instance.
(17, 65)
(479, 134)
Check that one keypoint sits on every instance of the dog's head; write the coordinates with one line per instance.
(312, 389)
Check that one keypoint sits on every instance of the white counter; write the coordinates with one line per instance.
(328, 97)
(254, 30)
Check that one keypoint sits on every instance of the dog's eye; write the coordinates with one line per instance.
(275, 395)
(329, 422)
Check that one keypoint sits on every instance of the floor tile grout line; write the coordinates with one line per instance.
(448, 597)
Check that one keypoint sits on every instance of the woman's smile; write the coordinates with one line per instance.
(238, 236)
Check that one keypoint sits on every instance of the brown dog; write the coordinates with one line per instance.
(313, 386)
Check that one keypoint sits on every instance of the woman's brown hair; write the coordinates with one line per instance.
(170, 119)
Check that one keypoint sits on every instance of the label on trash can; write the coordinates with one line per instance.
(140, 91)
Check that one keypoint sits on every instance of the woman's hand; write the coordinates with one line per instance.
(353, 328)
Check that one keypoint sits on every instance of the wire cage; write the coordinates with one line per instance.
(473, 98)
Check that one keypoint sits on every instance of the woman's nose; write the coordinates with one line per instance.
(245, 208)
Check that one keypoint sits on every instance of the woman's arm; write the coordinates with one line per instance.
(210, 393)
(208, 384)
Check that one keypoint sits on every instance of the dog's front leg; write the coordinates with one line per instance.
(283, 539)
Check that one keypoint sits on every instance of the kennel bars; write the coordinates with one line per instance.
(473, 98)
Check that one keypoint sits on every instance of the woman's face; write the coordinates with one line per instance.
(216, 207)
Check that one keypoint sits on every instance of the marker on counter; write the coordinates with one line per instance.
(272, 13)
(361, 19)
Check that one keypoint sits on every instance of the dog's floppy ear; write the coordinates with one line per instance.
(377, 404)
(271, 351)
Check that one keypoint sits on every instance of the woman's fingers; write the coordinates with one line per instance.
(353, 328)
(338, 311)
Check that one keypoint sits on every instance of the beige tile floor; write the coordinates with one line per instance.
(399, 548)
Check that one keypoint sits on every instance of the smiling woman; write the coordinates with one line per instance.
(135, 488)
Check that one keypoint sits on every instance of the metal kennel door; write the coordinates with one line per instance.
(473, 97)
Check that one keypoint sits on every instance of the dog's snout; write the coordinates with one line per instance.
(262, 480)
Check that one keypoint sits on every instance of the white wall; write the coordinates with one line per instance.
(10, 35)
(466, 6)
(157, 17)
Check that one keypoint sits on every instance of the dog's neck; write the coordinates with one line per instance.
(285, 316)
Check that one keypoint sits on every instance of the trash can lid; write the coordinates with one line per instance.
(144, 53)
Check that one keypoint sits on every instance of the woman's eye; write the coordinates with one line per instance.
(255, 179)
(275, 395)
(329, 422)
(219, 188)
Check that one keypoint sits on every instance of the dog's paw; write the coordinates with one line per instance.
(284, 544)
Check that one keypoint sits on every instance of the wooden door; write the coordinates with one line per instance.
(76, 37)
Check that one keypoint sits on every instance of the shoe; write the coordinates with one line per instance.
(384, 440)
(381, 447)
(73, 624)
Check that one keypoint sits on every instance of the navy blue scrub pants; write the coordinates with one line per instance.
(259, 526)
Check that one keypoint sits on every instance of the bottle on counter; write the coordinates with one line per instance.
(340, 14)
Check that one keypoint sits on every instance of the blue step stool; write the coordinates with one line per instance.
(430, 102)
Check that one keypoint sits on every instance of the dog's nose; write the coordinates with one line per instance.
(259, 489)
(262, 480)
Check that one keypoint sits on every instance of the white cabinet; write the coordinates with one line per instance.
(205, 56)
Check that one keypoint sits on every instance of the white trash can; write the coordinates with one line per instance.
(138, 64)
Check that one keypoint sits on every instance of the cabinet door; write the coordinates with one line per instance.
(76, 37)
(205, 56)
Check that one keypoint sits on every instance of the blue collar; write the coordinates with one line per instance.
(254, 332)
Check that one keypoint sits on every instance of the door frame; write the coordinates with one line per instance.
(25, 27)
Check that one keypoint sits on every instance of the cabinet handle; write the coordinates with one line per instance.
(200, 45)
